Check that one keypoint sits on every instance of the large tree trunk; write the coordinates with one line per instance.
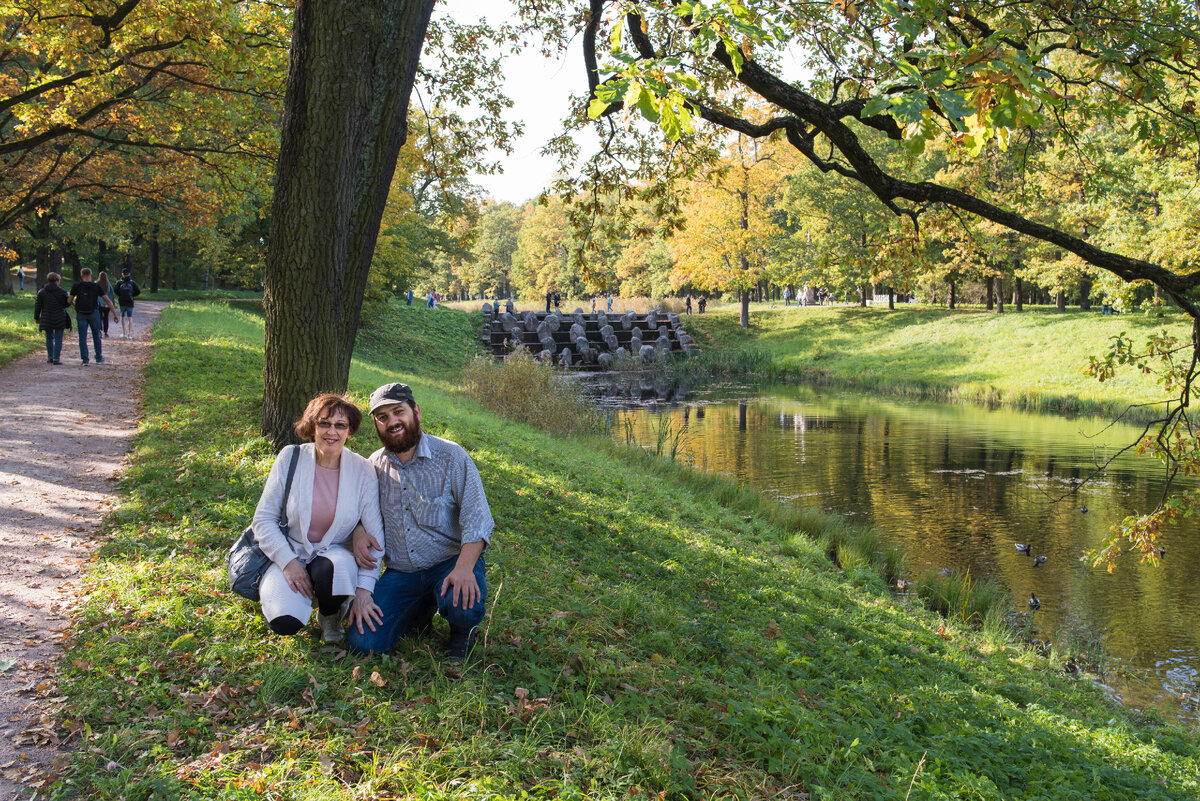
(999, 295)
(1060, 301)
(891, 299)
(1018, 296)
(953, 295)
(862, 295)
(991, 291)
(744, 309)
(1085, 293)
(345, 118)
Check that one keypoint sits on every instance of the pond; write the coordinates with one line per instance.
(956, 486)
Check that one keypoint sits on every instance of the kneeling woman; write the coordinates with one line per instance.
(332, 490)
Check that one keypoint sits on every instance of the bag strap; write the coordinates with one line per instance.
(287, 487)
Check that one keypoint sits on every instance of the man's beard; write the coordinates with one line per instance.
(400, 443)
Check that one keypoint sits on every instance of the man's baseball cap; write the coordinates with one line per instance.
(390, 394)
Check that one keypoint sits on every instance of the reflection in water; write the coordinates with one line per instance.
(957, 486)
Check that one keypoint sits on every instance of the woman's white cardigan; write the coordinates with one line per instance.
(358, 499)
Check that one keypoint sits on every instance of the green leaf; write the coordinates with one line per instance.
(597, 107)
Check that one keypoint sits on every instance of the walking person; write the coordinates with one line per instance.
(688, 304)
(436, 524)
(609, 304)
(127, 289)
(85, 296)
(51, 315)
(21, 277)
(108, 302)
(408, 298)
(549, 300)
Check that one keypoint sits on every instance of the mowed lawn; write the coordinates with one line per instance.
(1032, 359)
(648, 636)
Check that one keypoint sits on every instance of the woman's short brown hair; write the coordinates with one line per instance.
(324, 406)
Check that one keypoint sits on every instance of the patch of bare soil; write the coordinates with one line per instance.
(67, 431)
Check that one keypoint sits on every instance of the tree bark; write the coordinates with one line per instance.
(350, 76)
(953, 296)
(1018, 299)
(155, 274)
(999, 295)
(1085, 293)
(1060, 301)
(744, 309)
(991, 291)
(862, 295)
(891, 299)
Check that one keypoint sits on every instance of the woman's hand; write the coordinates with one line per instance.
(365, 610)
(297, 578)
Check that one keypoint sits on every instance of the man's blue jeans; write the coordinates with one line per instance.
(407, 599)
(53, 344)
(86, 320)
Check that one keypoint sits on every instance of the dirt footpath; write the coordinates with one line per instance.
(67, 430)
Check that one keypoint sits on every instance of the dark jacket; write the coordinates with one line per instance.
(50, 308)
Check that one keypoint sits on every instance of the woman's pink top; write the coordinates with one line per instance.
(324, 502)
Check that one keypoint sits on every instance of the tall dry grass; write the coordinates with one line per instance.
(521, 389)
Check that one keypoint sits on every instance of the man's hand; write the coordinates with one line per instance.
(297, 578)
(365, 610)
(364, 543)
(462, 579)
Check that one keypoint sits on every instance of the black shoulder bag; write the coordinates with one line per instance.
(246, 562)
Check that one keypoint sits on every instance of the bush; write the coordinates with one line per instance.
(521, 389)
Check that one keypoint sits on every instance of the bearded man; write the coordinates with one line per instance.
(436, 525)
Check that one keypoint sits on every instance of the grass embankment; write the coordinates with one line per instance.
(647, 637)
(19, 334)
(1028, 360)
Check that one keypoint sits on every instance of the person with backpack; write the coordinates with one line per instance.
(127, 289)
(85, 297)
(50, 313)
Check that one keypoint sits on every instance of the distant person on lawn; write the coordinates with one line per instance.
(436, 524)
(127, 289)
(333, 489)
(85, 296)
(50, 312)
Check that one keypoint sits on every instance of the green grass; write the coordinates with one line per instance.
(19, 334)
(1028, 360)
(653, 632)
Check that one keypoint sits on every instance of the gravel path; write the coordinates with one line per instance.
(67, 430)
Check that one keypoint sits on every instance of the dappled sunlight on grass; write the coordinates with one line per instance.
(652, 632)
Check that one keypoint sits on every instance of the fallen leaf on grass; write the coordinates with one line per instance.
(378, 680)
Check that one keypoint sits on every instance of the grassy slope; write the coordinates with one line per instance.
(1028, 359)
(644, 638)
(18, 333)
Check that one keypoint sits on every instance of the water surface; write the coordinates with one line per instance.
(957, 486)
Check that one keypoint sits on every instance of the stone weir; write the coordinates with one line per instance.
(587, 341)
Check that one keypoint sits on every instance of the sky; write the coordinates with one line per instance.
(539, 88)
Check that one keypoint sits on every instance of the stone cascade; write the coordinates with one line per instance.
(586, 341)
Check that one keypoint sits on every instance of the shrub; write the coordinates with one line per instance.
(522, 389)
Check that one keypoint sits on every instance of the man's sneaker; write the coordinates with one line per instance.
(331, 627)
(99, 360)
(459, 646)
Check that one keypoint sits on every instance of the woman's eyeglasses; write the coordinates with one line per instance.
(339, 426)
